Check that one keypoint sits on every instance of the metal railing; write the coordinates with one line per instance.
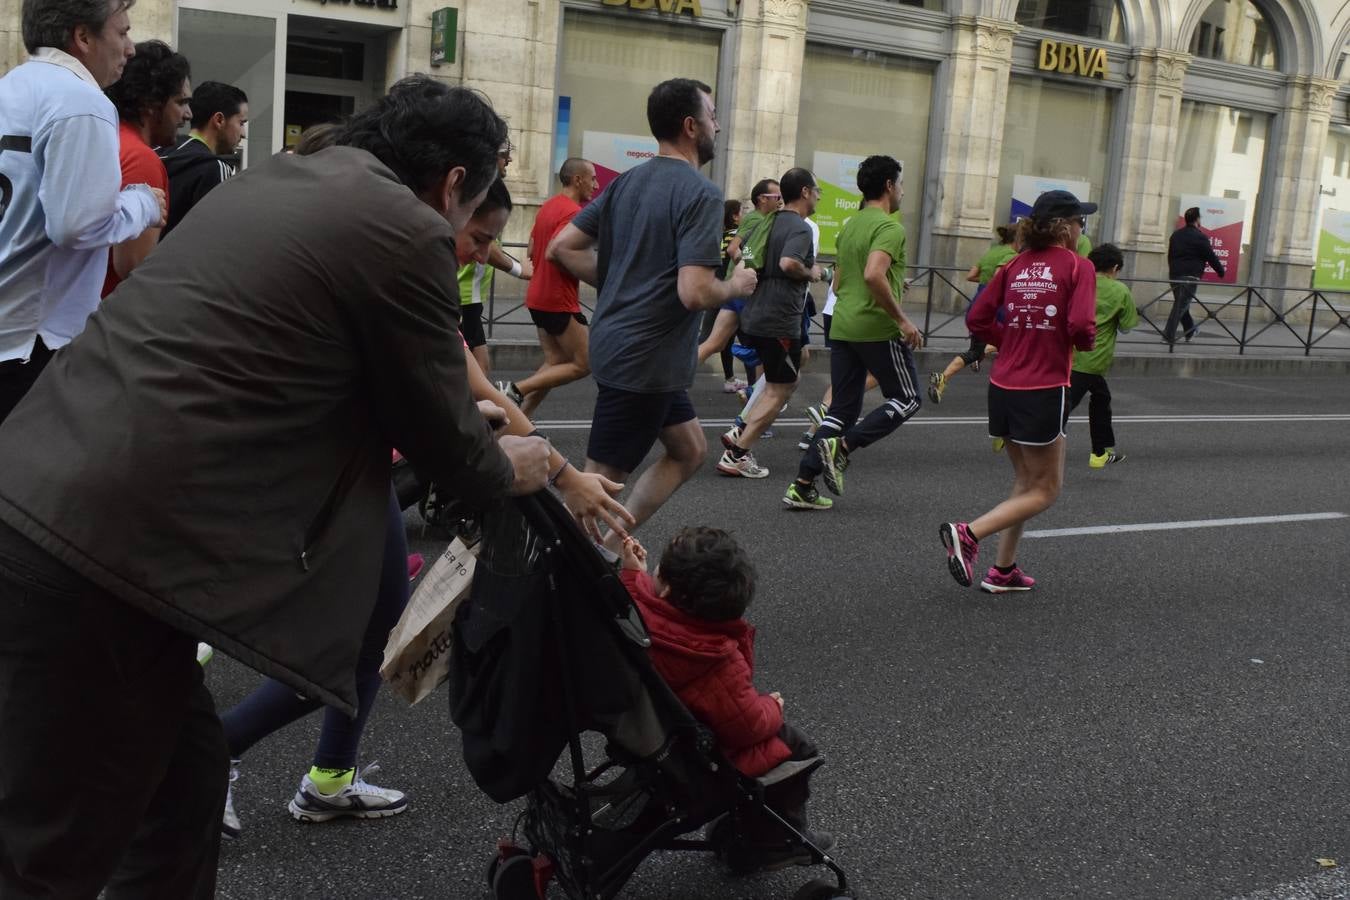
(1244, 316)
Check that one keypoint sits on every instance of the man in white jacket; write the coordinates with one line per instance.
(61, 206)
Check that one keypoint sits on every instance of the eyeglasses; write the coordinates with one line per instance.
(772, 196)
(1082, 221)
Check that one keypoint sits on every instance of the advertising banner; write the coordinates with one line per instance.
(1223, 220)
(1026, 188)
(837, 177)
(1333, 252)
(614, 154)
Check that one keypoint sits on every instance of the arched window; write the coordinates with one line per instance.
(1236, 31)
(1099, 19)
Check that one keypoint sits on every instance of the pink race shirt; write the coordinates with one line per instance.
(1048, 303)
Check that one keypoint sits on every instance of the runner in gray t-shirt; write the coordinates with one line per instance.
(771, 322)
(650, 244)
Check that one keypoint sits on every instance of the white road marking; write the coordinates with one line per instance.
(1195, 523)
(582, 424)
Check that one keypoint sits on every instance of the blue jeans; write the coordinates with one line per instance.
(1183, 292)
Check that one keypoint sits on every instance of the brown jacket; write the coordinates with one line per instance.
(215, 447)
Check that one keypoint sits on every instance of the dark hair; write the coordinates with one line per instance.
(873, 174)
(762, 187)
(572, 167)
(423, 128)
(52, 23)
(151, 77)
(316, 138)
(730, 210)
(1192, 215)
(1006, 233)
(498, 197)
(1106, 257)
(1038, 234)
(670, 103)
(211, 97)
(708, 573)
(794, 182)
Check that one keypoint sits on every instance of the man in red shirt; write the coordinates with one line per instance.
(152, 99)
(552, 295)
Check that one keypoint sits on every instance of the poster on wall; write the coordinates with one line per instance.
(614, 154)
(1223, 220)
(1026, 188)
(837, 177)
(562, 131)
(1333, 252)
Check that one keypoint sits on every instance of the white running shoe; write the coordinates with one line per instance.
(204, 653)
(731, 436)
(229, 822)
(745, 467)
(357, 800)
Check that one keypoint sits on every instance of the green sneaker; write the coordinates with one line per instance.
(835, 459)
(805, 497)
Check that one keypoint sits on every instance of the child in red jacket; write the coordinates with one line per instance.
(694, 608)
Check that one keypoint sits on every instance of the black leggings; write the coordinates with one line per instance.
(709, 317)
(975, 353)
(1099, 408)
(274, 705)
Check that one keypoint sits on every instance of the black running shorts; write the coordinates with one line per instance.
(626, 424)
(555, 323)
(471, 324)
(1034, 418)
(780, 357)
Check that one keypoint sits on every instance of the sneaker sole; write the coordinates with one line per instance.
(231, 833)
(737, 473)
(955, 564)
(317, 817)
(1001, 589)
(814, 414)
(797, 504)
(834, 479)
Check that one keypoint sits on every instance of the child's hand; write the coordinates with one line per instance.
(633, 554)
(777, 696)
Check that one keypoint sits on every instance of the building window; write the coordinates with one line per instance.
(857, 103)
(1055, 130)
(1236, 31)
(1220, 153)
(608, 67)
(1098, 19)
(923, 4)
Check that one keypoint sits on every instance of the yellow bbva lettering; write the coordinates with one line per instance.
(1085, 56)
(1049, 56)
(1068, 61)
(1098, 69)
(666, 5)
(693, 7)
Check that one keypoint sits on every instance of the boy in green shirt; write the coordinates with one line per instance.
(869, 334)
(1116, 313)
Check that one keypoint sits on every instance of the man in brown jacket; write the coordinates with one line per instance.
(210, 461)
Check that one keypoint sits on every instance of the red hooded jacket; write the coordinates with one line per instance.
(710, 666)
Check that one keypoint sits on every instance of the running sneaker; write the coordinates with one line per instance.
(804, 442)
(817, 414)
(835, 459)
(204, 653)
(745, 467)
(357, 800)
(995, 582)
(962, 549)
(732, 385)
(732, 436)
(1106, 459)
(229, 822)
(415, 563)
(511, 391)
(805, 496)
(937, 383)
(999, 444)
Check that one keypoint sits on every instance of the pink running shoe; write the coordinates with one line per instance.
(415, 564)
(962, 549)
(995, 582)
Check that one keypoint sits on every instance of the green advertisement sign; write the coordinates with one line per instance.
(837, 176)
(1333, 252)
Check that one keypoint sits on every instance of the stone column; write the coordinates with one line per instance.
(761, 117)
(1145, 217)
(1298, 144)
(963, 168)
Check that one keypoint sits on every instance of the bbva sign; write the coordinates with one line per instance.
(1071, 59)
(693, 7)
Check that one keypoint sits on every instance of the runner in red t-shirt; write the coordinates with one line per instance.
(1036, 310)
(552, 295)
(152, 99)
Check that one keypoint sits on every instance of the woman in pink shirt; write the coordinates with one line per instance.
(1036, 310)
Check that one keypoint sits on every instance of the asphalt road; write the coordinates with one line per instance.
(1164, 717)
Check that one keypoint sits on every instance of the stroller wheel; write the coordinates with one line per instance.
(513, 879)
(820, 889)
(505, 850)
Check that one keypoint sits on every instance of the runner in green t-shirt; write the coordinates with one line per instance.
(981, 273)
(1116, 312)
(766, 197)
(869, 333)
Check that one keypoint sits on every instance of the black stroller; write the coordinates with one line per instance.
(549, 646)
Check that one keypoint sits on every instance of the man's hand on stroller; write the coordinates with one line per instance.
(590, 498)
(633, 554)
(529, 458)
